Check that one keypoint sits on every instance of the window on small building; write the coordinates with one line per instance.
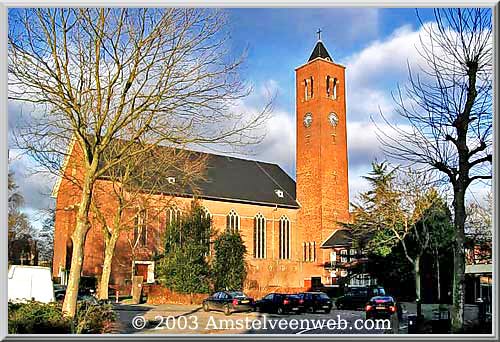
(140, 228)
(284, 238)
(259, 237)
(343, 255)
(328, 86)
(233, 221)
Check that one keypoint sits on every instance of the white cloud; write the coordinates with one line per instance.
(35, 186)
(279, 144)
(385, 59)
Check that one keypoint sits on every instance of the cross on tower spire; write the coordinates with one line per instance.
(319, 34)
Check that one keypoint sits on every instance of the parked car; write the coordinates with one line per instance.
(228, 302)
(315, 301)
(27, 283)
(357, 297)
(279, 303)
(380, 307)
(84, 294)
(59, 292)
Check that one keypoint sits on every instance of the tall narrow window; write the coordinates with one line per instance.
(328, 86)
(284, 238)
(312, 88)
(233, 221)
(206, 238)
(259, 236)
(306, 90)
(173, 215)
(140, 228)
(335, 82)
(304, 246)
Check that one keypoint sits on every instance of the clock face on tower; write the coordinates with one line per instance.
(308, 118)
(333, 119)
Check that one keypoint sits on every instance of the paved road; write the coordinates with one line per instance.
(190, 319)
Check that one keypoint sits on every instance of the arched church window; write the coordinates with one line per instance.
(233, 221)
(284, 238)
(259, 237)
(312, 87)
(328, 86)
(173, 215)
(206, 213)
(140, 228)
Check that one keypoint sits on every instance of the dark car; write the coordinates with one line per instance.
(279, 303)
(84, 295)
(380, 307)
(357, 297)
(228, 302)
(315, 301)
(59, 292)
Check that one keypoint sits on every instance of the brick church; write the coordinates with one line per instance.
(290, 228)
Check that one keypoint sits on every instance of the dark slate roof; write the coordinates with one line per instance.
(230, 179)
(340, 238)
(320, 51)
(245, 180)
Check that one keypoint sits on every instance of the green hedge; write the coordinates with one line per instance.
(40, 318)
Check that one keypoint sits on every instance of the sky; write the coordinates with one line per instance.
(375, 45)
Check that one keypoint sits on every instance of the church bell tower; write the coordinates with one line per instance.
(322, 170)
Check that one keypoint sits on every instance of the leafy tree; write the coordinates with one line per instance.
(441, 234)
(399, 209)
(229, 268)
(183, 267)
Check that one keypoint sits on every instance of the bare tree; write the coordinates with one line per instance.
(154, 76)
(140, 184)
(448, 107)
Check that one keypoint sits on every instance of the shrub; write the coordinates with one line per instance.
(93, 319)
(37, 318)
(41, 318)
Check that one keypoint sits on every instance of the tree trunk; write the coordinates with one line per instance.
(416, 268)
(78, 238)
(109, 252)
(457, 313)
(438, 275)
